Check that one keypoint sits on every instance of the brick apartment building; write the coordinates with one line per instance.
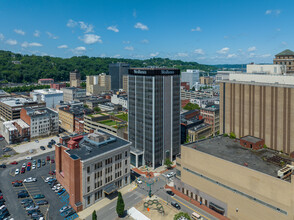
(57, 86)
(185, 85)
(42, 121)
(92, 166)
(211, 116)
(286, 57)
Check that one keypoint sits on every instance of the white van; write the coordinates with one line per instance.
(196, 216)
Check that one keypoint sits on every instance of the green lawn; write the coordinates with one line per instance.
(123, 116)
(108, 122)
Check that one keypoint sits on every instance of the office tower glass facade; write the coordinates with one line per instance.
(116, 71)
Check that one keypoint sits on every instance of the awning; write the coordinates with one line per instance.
(110, 188)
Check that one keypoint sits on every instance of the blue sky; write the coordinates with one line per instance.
(210, 32)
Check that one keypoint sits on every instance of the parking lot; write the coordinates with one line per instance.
(55, 202)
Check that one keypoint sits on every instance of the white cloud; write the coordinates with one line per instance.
(62, 46)
(141, 26)
(113, 28)
(116, 56)
(250, 49)
(80, 48)
(86, 27)
(103, 55)
(37, 33)
(154, 54)
(145, 41)
(126, 42)
(182, 54)
(199, 51)
(33, 44)
(11, 42)
(265, 55)
(130, 48)
(52, 36)
(19, 31)
(91, 39)
(273, 12)
(231, 55)
(71, 23)
(196, 29)
(223, 50)
(1, 36)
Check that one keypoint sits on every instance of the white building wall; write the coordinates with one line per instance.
(269, 69)
(190, 76)
(118, 100)
(263, 78)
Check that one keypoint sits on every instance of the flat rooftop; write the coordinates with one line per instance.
(251, 139)
(227, 149)
(47, 91)
(15, 102)
(89, 148)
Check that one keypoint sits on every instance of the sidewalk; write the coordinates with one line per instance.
(104, 202)
(196, 203)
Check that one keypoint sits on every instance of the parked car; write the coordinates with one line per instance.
(170, 192)
(48, 158)
(32, 208)
(58, 188)
(139, 181)
(16, 181)
(22, 195)
(16, 171)
(42, 202)
(28, 168)
(61, 192)
(3, 166)
(70, 213)
(29, 164)
(52, 172)
(29, 180)
(30, 212)
(22, 191)
(24, 165)
(17, 184)
(42, 148)
(33, 167)
(52, 161)
(47, 179)
(39, 165)
(64, 208)
(37, 215)
(39, 196)
(34, 162)
(26, 201)
(39, 160)
(7, 149)
(169, 175)
(49, 146)
(28, 204)
(28, 158)
(14, 163)
(43, 162)
(36, 141)
(176, 205)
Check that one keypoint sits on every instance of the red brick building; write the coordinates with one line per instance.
(57, 86)
(184, 102)
(252, 142)
(79, 125)
(91, 167)
(185, 85)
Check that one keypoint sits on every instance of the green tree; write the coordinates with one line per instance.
(182, 214)
(94, 215)
(120, 205)
(168, 163)
(97, 109)
(86, 106)
(191, 106)
(232, 135)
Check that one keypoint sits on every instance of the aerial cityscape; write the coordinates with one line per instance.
(146, 110)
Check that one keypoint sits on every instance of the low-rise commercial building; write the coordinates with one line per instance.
(45, 81)
(211, 116)
(10, 107)
(51, 96)
(92, 167)
(73, 93)
(57, 86)
(234, 181)
(185, 94)
(42, 121)
(120, 100)
(203, 102)
(92, 103)
(266, 68)
(198, 132)
(15, 131)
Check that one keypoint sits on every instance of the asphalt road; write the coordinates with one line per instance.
(40, 187)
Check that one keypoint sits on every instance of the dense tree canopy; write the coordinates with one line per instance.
(34, 67)
(191, 106)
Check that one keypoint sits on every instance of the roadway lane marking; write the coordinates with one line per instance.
(191, 208)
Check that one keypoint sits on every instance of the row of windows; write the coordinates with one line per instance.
(118, 174)
(117, 165)
(108, 179)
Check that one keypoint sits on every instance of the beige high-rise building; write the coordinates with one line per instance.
(286, 57)
(259, 105)
(125, 83)
(98, 84)
(75, 78)
(206, 80)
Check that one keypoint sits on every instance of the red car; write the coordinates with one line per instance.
(29, 164)
(47, 158)
(14, 163)
(52, 172)
(52, 161)
(1, 197)
(23, 170)
(16, 181)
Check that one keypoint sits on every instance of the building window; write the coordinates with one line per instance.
(88, 169)
(89, 200)
(126, 180)
(126, 162)
(88, 179)
(126, 154)
(88, 189)
(126, 170)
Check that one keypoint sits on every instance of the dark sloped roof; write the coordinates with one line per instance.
(285, 53)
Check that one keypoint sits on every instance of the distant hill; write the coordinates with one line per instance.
(230, 66)
(31, 67)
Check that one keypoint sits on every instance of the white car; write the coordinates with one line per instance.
(58, 188)
(23, 165)
(33, 167)
(28, 158)
(16, 171)
(29, 180)
(139, 181)
(171, 174)
(47, 179)
(32, 208)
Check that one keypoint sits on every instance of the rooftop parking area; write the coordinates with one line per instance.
(230, 150)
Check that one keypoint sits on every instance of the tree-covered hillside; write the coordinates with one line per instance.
(34, 67)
